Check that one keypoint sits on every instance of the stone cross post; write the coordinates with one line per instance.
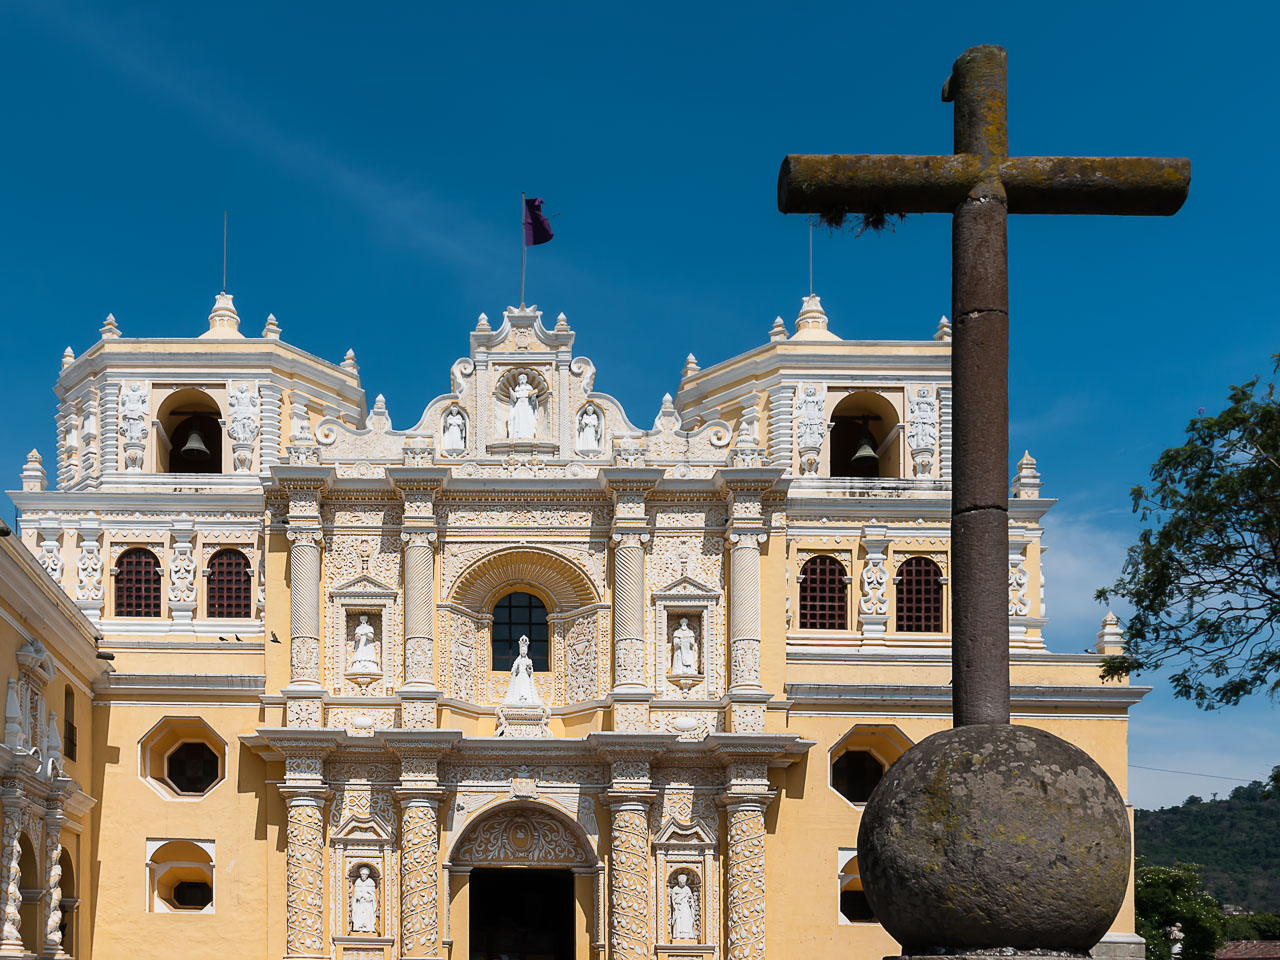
(980, 184)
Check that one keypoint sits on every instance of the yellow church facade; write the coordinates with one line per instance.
(521, 679)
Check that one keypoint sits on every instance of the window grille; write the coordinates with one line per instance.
(138, 584)
(230, 585)
(918, 597)
(823, 595)
(514, 616)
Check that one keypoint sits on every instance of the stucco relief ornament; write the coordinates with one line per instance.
(589, 431)
(89, 571)
(453, 443)
(133, 425)
(364, 903)
(522, 419)
(243, 427)
(922, 430)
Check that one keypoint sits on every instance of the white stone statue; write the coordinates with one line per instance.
(682, 923)
(522, 689)
(244, 415)
(365, 657)
(454, 441)
(133, 414)
(812, 428)
(299, 421)
(364, 903)
(589, 440)
(684, 650)
(922, 421)
(1176, 936)
(522, 420)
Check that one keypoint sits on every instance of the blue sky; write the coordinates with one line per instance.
(372, 157)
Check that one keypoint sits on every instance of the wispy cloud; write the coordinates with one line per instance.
(1084, 551)
(400, 211)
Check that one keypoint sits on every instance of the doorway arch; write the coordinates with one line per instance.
(529, 852)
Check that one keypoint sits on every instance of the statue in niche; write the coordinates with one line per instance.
(681, 897)
(589, 440)
(365, 657)
(522, 689)
(454, 441)
(364, 903)
(133, 414)
(684, 650)
(922, 421)
(522, 422)
(244, 413)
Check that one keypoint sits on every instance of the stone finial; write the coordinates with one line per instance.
(562, 323)
(109, 329)
(944, 329)
(68, 358)
(224, 322)
(690, 366)
(811, 324)
(779, 330)
(33, 475)
(349, 361)
(482, 324)
(272, 330)
(1110, 637)
(1026, 484)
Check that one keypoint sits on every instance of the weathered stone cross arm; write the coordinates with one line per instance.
(867, 183)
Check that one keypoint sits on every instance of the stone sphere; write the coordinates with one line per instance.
(991, 836)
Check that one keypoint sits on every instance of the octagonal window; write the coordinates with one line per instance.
(191, 895)
(855, 774)
(181, 758)
(192, 768)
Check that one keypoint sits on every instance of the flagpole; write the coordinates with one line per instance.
(522, 245)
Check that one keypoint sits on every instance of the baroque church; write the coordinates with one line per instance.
(522, 678)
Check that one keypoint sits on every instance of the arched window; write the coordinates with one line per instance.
(823, 595)
(520, 615)
(69, 723)
(230, 588)
(138, 584)
(918, 597)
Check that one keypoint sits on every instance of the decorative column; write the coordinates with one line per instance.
(304, 605)
(269, 445)
(419, 831)
(11, 876)
(53, 888)
(305, 793)
(745, 909)
(628, 609)
(89, 591)
(182, 575)
(418, 485)
(629, 879)
(419, 606)
(50, 555)
(873, 603)
(744, 608)
(109, 409)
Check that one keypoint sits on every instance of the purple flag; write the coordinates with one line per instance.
(536, 228)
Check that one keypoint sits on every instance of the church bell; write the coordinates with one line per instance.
(194, 448)
(866, 454)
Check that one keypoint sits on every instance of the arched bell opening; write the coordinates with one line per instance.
(865, 438)
(190, 433)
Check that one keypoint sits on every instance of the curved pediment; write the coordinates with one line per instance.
(548, 572)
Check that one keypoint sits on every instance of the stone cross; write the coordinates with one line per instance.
(980, 185)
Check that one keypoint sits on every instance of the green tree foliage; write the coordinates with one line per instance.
(1204, 579)
(1164, 896)
(1237, 841)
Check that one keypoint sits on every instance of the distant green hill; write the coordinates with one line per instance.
(1237, 840)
